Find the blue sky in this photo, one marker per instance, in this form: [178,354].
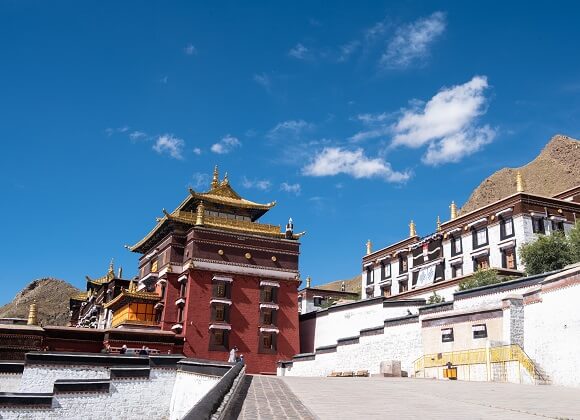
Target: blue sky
[355,117]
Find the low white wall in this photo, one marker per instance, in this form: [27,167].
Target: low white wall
[552,334]
[10,382]
[41,378]
[188,389]
[400,342]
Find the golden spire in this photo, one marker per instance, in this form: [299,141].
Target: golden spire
[438,224]
[519,182]
[111,266]
[32,314]
[412,229]
[132,286]
[453,208]
[200,213]
[215,181]
[308,281]
[226,181]
[369,247]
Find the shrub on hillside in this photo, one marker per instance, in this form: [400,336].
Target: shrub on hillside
[481,278]
[547,253]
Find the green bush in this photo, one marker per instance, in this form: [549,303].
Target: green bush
[574,239]
[548,253]
[435,298]
[481,278]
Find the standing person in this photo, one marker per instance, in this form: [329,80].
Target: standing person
[242,359]
[143,351]
[232,358]
[123,349]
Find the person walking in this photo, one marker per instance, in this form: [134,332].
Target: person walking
[232,358]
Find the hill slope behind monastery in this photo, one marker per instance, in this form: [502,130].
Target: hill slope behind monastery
[52,300]
[555,169]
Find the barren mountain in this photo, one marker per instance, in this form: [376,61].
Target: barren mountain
[351,285]
[52,301]
[556,169]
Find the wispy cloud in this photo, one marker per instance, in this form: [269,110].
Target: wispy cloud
[299,51]
[137,135]
[169,144]
[226,145]
[196,151]
[447,123]
[291,188]
[260,184]
[164,80]
[190,50]
[123,129]
[348,49]
[290,128]
[411,42]
[336,160]
[263,80]
[199,181]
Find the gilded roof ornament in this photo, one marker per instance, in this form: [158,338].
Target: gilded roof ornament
[200,214]
[308,282]
[438,224]
[369,247]
[32,314]
[226,181]
[215,181]
[412,229]
[453,208]
[519,182]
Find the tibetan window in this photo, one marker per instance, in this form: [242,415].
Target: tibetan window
[403,264]
[153,266]
[481,263]
[387,291]
[403,286]
[479,331]
[220,312]
[538,225]
[456,245]
[509,258]
[479,237]
[221,290]
[506,228]
[218,340]
[268,294]
[447,335]
[457,270]
[267,342]
[557,226]
[369,276]
[385,270]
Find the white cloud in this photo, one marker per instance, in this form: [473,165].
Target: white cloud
[169,144]
[336,160]
[199,181]
[136,135]
[447,123]
[348,49]
[291,188]
[411,42]
[197,151]
[375,31]
[190,50]
[299,52]
[290,128]
[262,184]
[263,80]
[226,145]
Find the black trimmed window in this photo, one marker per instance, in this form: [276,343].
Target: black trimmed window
[457,270]
[481,263]
[317,301]
[385,270]
[557,226]
[218,339]
[403,286]
[268,316]
[369,276]
[508,258]
[268,294]
[403,264]
[506,227]
[221,290]
[447,335]
[456,245]
[267,342]
[480,237]
[479,331]
[386,291]
[538,225]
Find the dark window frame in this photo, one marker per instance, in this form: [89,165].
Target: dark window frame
[403,264]
[448,337]
[370,276]
[454,270]
[504,258]
[558,226]
[480,333]
[538,225]
[454,239]
[474,232]
[216,346]
[476,262]
[502,224]
[384,265]
[405,283]
[273,337]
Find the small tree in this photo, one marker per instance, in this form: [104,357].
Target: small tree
[547,253]
[574,239]
[480,278]
[435,298]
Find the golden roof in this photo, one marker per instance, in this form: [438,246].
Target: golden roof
[224,194]
[104,279]
[133,295]
[80,296]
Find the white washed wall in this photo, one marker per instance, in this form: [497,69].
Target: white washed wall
[188,389]
[41,378]
[552,335]
[10,382]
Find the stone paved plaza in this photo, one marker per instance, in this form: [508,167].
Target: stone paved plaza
[401,398]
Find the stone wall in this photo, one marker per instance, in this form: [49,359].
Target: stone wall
[40,378]
[188,389]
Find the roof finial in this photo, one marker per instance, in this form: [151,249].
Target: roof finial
[412,229]
[111,266]
[453,208]
[519,182]
[343,287]
[308,282]
[215,181]
[369,247]
[33,314]
[120,271]
[200,214]
[438,224]
[226,181]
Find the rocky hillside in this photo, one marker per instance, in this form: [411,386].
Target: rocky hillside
[351,285]
[556,169]
[52,300]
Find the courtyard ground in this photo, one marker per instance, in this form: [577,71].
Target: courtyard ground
[403,398]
